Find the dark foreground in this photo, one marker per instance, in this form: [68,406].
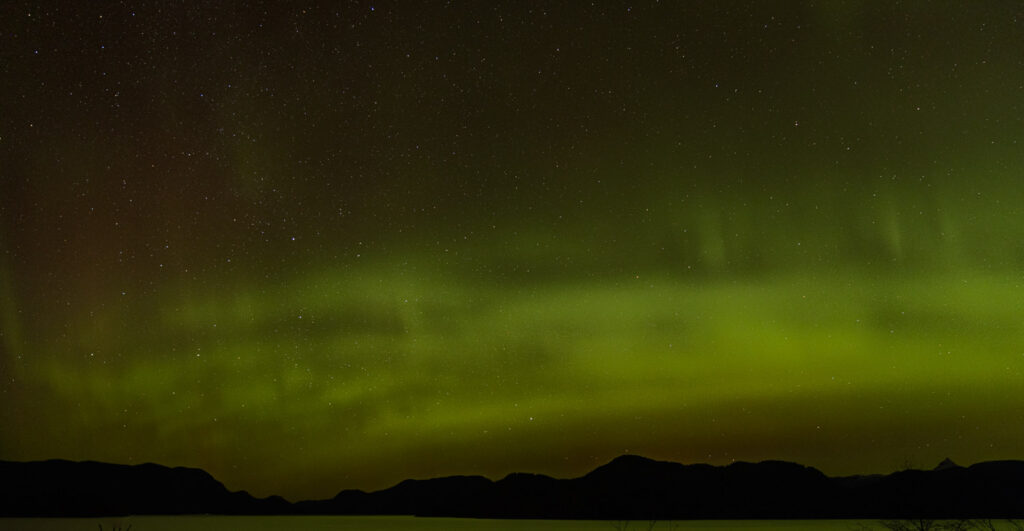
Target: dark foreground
[629,487]
[405,523]
[322,523]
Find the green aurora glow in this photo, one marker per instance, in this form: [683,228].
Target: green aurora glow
[312,250]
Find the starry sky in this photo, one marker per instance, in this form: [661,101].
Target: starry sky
[312,247]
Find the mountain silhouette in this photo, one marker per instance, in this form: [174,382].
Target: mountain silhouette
[946,463]
[89,488]
[628,487]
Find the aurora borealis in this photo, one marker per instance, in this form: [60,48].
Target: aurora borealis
[314,247]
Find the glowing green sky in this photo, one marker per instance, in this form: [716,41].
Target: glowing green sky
[309,249]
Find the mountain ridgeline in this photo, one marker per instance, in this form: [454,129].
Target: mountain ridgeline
[629,487]
[69,488]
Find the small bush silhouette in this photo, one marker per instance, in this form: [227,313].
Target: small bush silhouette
[925,524]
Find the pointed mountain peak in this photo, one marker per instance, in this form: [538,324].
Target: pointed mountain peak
[946,464]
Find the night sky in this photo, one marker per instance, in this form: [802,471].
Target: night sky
[311,247]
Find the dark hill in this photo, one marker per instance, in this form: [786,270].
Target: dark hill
[67,488]
[629,487]
[633,487]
